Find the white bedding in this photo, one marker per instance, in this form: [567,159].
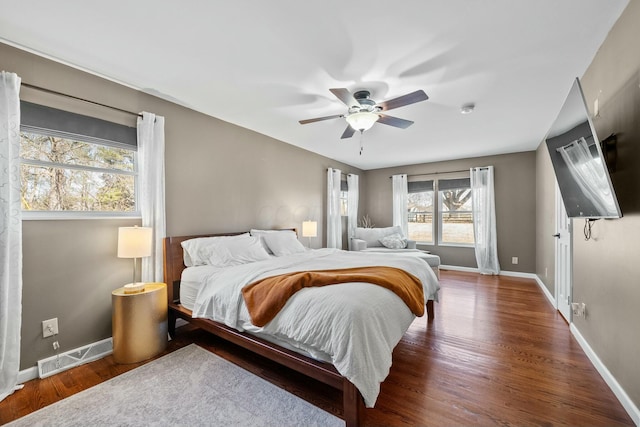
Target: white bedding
[353,325]
[193,278]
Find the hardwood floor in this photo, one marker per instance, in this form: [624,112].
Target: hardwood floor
[497,353]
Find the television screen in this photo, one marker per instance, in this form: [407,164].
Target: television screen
[576,155]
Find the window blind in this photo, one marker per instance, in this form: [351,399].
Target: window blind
[36,117]
[420,186]
[450,184]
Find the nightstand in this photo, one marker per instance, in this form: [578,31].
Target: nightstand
[139,323]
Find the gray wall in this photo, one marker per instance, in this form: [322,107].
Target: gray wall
[545,218]
[515,187]
[606,268]
[219,177]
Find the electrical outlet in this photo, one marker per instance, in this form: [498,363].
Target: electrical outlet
[579,309]
[514,260]
[49,327]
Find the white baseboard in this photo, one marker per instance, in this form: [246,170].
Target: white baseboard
[517,274]
[545,291]
[613,384]
[458,268]
[27,374]
[475,270]
[32,373]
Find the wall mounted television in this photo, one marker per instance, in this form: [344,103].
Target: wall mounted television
[580,167]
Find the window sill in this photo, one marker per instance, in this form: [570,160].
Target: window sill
[48,216]
[456,245]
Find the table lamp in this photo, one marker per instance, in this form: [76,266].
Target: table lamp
[309,229]
[134,242]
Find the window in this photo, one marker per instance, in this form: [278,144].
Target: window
[420,207]
[60,174]
[75,173]
[344,198]
[451,207]
[455,217]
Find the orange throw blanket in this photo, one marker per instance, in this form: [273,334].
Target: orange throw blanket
[266,297]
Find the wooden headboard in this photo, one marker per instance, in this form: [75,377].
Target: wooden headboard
[174,258]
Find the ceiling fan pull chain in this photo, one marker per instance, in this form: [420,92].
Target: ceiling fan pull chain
[361,136]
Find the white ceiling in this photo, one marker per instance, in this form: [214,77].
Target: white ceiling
[264,65]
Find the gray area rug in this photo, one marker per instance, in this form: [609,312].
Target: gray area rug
[189,387]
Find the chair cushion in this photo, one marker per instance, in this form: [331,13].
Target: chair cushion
[431,259]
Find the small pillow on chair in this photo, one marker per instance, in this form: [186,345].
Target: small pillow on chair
[394,241]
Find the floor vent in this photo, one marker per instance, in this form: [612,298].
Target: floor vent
[67,360]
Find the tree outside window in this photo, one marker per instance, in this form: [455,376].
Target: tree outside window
[420,211]
[64,174]
[455,213]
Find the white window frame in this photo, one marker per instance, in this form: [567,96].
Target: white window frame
[440,212]
[65,215]
[433,219]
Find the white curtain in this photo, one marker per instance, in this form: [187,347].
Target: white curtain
[484,220]
[10,233]
[151,194]
[334,220]
[400,201]
[590,176]
[352,205]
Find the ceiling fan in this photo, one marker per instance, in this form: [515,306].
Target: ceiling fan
[363,111]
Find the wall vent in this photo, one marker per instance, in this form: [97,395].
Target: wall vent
[67,360]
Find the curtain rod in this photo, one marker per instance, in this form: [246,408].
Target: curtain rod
[342,173]
[79,99]
[440,173]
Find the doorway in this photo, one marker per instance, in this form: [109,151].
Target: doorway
[564,259]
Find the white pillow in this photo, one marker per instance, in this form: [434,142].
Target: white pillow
[283,243]
[394,241]
[262,233]
[196,251]
[237,251]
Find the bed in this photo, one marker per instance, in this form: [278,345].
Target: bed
[330,362]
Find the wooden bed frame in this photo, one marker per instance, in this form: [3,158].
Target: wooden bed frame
[353,404]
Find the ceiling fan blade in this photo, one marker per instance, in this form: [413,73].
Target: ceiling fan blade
[319,119]
[348,132]
[394,121]
[345,96]
[401,101]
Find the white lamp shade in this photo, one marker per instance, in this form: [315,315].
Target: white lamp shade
[362,121]
[309,229]
[134,242]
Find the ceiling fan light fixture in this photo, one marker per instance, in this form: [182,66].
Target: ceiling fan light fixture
[362,120]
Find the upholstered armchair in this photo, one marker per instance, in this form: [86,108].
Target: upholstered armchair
[380,239]
[391,240]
